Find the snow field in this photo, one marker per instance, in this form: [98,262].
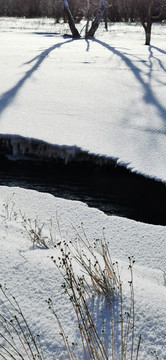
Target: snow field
[110,90]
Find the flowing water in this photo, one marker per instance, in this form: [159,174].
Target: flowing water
[112,189]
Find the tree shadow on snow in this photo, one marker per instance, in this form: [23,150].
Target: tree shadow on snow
[7,98]
[152,57]
[149,96]
[158,49]
[47,34]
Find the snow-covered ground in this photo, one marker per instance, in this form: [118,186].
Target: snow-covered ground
[105,96]
[32,278]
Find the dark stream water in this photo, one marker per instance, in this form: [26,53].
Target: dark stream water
[112,189]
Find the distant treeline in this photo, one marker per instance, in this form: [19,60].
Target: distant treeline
[118,10]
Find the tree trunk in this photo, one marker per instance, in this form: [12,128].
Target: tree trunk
[70,19]
[149,23]
[148,34]
[106,19]
[146,20]
[88,18]
[95,24]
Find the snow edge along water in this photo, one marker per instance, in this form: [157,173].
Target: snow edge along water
[17,147]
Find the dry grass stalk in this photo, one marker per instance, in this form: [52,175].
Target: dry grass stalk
[104,277]
[96,262]
[8,208]
[37,232]
[18,340]
[76,288]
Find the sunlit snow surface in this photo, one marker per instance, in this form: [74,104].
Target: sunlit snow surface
[32,278]
[105,96]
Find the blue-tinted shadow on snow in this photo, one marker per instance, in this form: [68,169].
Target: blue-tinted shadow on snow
[158,49]
[153,57]
[7,98]
[149,96]
[47,34]
[109,324]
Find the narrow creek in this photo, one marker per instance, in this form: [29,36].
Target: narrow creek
[112,189]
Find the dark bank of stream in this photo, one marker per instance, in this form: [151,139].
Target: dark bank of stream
[112,189]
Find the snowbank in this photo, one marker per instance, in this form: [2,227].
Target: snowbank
[31,276]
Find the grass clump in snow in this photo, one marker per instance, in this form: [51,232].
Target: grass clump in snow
[41,236]
[9,208]
[17,339]
[110,335]
[38,234]
[105,282]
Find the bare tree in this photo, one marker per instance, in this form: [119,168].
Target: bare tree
[74,31]
[102,7]
[147,14]
[88,18]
